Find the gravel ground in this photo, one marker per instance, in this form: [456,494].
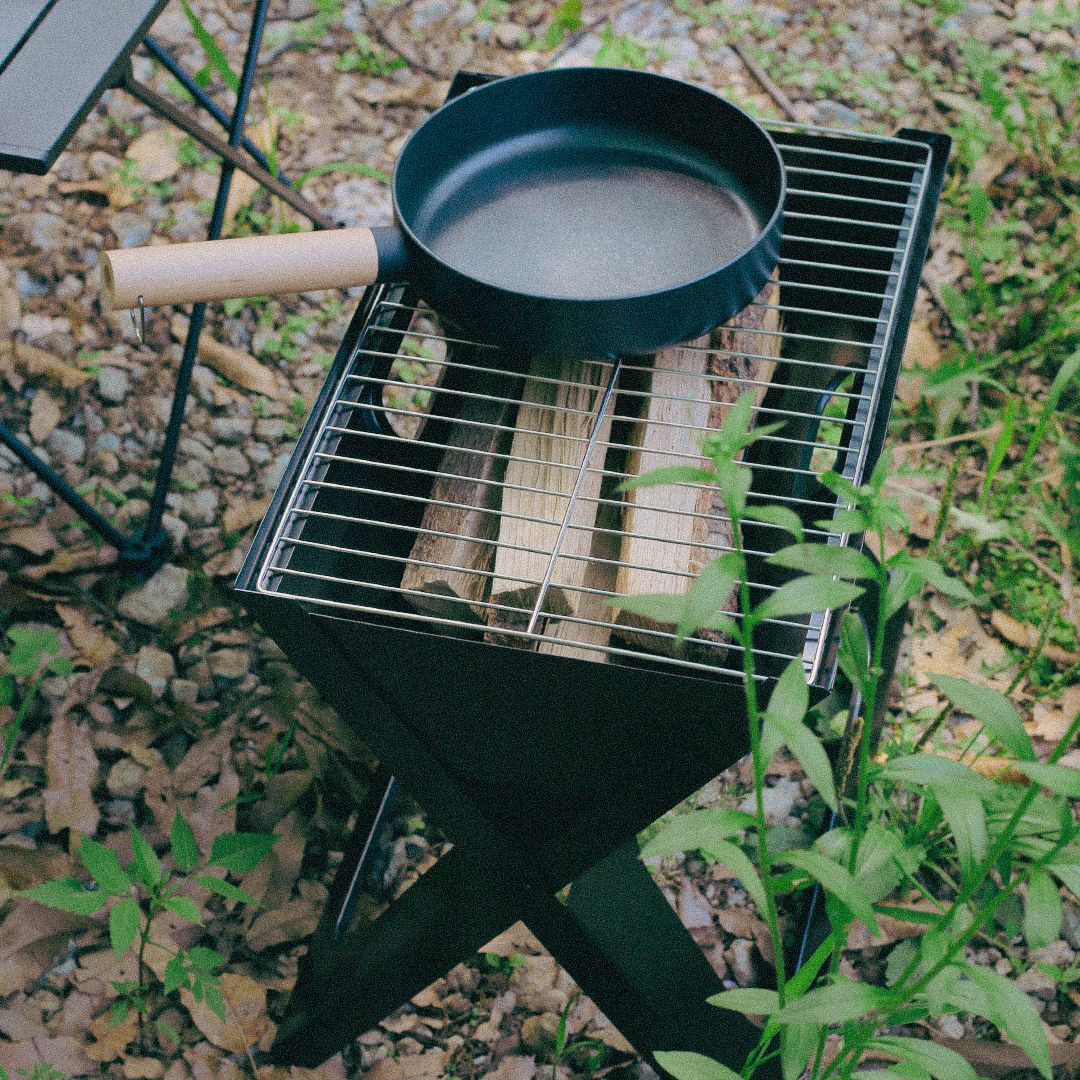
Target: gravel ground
[168,665]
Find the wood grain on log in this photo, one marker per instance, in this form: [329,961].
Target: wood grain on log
[448,573]
[554,424]
[671,531]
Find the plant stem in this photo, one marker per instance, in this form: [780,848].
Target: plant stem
[12,734]
[870,695]
[753,719]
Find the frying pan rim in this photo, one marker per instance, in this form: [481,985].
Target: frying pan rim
[598,72]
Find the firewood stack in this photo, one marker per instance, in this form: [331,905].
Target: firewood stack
[525,472]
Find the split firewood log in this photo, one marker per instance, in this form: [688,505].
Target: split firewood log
[671,531]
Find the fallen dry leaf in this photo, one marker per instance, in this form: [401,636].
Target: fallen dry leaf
[291,922]
[68,560]
[155,154]
[10,305]
[23,869]
[238,516]
[111,1040]
[428,1066]
[1050,719]
[63,1053]
[71,771]
[32,361]
[44,416]
[245,1013]
[97,648]
[206,1063]
[30,937]
[242,190]
[85,187]
[1000,1059]
[37,539]
[1026,636]
[236,365]
[891,930]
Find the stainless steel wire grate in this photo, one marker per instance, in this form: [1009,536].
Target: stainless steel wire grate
[446,489]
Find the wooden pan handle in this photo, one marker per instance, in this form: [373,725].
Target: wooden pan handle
[247,266]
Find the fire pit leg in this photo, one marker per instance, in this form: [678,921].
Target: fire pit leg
[623,912]
[445,917]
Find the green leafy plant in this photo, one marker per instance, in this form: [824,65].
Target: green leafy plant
[620,50]
[592,1050]
[33,655]
[43,1070]
[915,826]
[216,60]
[137,892]
[365,57]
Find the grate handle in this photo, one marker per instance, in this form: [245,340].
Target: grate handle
[210,270]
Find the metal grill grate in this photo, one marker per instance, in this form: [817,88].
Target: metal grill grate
[357,506]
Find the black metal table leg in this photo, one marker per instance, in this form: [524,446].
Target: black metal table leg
[198,313]
[149,546]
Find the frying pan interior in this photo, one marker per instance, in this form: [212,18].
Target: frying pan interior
[587,184]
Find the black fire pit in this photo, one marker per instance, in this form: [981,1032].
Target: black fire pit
[543,764]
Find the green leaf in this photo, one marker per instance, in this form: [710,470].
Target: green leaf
[787,707]
[735,859]
[1060,779]
[826,560]
[930,770]
[806,595]
[210,47]
[669,474]
[659,607]
[791,696]
[686,1065]
[751,1001]
[118,1011]
[966,816]
[175,974]
[205,959]
[241,851]
[183,906]
[853,653]
[226,889]
[708,595]
[146,863]
[902,586]
[797,1045]
[1043,910]
[993,710]
[185,851]
[125,919]
[836,880]
[852,522]
[104,867]
[67,895]
[779,516]
[1011,1010]
[696,831]
[834,1004]
[213,997]
[939,1061]
[945,583]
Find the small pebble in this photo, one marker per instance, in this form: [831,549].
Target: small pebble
[229,460]
[113,385]
[125,779]
[157,598]
[67,445]
[156,667]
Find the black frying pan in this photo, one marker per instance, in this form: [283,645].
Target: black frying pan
[571,212]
